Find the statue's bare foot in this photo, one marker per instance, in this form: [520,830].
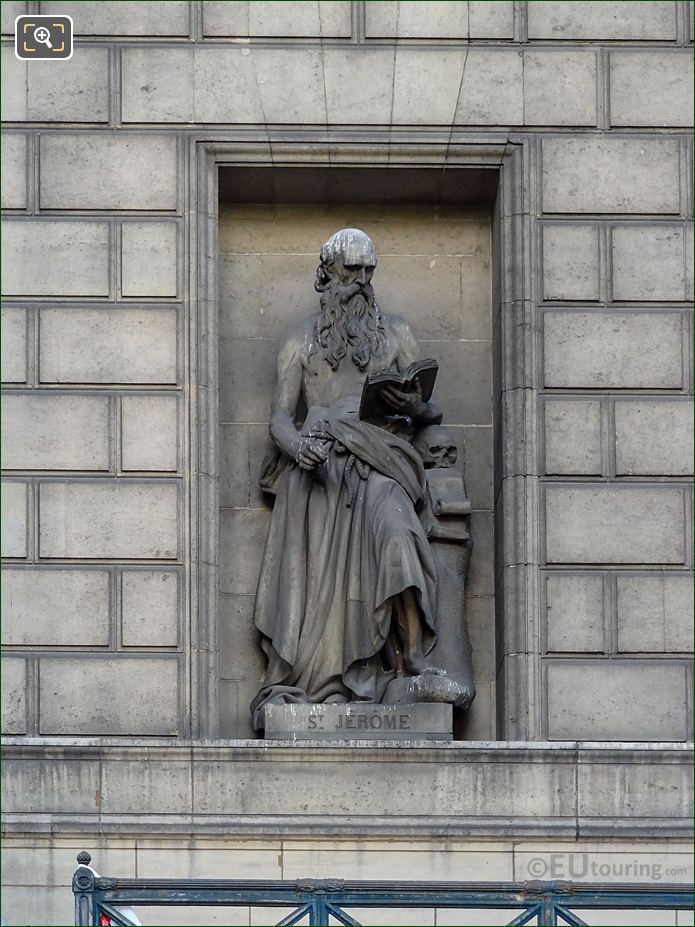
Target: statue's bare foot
[415,666]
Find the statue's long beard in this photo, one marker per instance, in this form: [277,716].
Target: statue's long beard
[349,324]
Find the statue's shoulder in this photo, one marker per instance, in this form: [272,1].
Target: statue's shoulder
[397,327]
[298,335]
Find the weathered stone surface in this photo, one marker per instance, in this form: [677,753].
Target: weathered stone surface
[109,520]
[246,361]
[560,88]
[638,700]
[149,608]
[14,519]
[114,695]
[665,81]
[10,10]
[491,88]
[149,258]
[464,383]
[572,436]
[45,432]
[33,95]
[13,341]
[14,702]
[574,610]
[108,345]
[149,433]
[13,85]
[648,263]
[655,613]
[14,171]
[58,852]
[303,97]
[157,85]
[55,258]
[496,790]
[607,175]
[654,437]
[242,537]
[443,20]
[82,98]
[602,524]
[330,19]
[55,608]
[370,77]
[607,349]
[358,722]
[570,262]
[598,20]
[108,172]
[426,85]
[124,18]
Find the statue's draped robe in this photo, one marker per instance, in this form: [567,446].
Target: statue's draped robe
[342,543]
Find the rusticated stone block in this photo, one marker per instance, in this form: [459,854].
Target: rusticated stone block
[31,94]
[13,343]
[149,433]
[439,20]
[572,436]
[107,171]
[654,437]
[574,609]
[45,608]
[603,524]
[559,87]
[600,20]
[655,613]
[330,19]
[108,345]
[665,81]
[14,171]
[115,695]
[124,17]
[43,257]
[48,432]
[603,350]
[570,262]
[616,700]
[149,608]
[111,521]
[648,263]
[14,519]
[610,175]
[149,258]
[14,699]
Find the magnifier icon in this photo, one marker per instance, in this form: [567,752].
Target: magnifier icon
[41,34]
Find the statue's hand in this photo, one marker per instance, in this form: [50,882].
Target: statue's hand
[406,402]
[312,453]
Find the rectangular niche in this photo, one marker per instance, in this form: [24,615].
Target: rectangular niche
[432,232]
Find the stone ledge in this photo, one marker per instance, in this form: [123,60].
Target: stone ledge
[565,789]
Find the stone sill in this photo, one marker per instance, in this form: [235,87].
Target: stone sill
[372,788]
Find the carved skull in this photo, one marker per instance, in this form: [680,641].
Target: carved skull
[436,445]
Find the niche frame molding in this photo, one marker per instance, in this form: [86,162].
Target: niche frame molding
[516,356]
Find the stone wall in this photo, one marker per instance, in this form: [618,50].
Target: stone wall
[109,441]
[99,424]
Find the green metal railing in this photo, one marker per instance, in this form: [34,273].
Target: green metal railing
[324,901]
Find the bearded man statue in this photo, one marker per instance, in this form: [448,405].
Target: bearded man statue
[346,597]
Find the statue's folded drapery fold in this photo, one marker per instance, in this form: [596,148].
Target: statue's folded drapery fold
[340,547]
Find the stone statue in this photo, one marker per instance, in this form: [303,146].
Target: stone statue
[347,593]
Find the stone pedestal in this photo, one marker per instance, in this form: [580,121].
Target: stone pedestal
[358,721]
